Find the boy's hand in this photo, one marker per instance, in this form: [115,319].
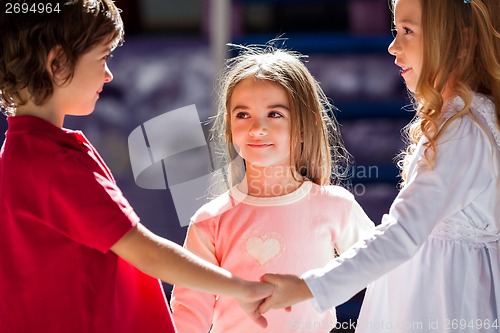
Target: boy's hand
[255,294]
[288,290]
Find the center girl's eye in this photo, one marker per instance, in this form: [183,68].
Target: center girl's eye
[274,114]
[242,115]
[394,32]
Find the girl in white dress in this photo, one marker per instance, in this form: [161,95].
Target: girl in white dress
[434,262]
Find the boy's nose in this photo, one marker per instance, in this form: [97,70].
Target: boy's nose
[108,76]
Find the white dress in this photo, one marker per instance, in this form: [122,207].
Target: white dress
[434,262]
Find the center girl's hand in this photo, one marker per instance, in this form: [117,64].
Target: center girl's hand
[288,290]
[253,296]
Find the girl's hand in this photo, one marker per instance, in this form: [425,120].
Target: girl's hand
[288,290]
[252,297]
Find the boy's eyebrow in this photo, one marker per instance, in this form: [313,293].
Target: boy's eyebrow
[105,49]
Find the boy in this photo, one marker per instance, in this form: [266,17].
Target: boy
[74,257]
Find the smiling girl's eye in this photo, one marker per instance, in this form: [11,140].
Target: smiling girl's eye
[406,30]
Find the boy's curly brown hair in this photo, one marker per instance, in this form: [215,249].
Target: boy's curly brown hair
[27,39]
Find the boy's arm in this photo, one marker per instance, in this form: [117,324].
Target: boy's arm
[168,261]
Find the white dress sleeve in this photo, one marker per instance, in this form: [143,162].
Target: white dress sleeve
[461,172]
[192,310]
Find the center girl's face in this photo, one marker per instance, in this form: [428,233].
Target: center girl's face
[260,122]
[407,46]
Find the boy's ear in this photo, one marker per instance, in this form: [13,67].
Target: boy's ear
[56,62]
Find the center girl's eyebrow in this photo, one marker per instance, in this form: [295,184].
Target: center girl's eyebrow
[279,106]
[270,107]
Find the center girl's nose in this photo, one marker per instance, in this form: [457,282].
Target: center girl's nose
[258,128]
[108,76]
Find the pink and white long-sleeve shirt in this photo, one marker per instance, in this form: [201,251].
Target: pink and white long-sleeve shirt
[250,236]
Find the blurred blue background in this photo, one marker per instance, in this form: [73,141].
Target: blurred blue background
[175,48]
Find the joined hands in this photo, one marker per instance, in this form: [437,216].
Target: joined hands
[276,292]
[288,290]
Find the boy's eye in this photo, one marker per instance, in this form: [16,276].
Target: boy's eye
[394,32]
[274,114]
[407,31]
[107,56]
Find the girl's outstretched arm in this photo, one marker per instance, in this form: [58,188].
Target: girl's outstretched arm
[171,263]
[288,290]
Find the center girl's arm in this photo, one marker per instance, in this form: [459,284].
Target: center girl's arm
[358,226]
[169,262]
[193,311]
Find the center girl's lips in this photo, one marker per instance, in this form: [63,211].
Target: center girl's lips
[259,145]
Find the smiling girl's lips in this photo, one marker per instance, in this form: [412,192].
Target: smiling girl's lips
[404,70]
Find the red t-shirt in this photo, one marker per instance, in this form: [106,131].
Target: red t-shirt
[60,213]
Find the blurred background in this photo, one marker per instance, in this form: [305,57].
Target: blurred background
[174,49]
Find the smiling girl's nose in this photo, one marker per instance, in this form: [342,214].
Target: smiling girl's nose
[393,48]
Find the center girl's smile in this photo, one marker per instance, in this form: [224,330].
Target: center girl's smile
[259,145]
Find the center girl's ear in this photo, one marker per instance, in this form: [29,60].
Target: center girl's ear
[57,64]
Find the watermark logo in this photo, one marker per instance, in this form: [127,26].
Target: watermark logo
[170,151]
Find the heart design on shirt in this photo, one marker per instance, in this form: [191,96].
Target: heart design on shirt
[263,248]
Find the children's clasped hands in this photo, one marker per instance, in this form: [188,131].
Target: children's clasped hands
[288,290]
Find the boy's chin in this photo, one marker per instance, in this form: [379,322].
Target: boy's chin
[80,113]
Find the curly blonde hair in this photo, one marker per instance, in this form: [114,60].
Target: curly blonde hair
[461,41]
